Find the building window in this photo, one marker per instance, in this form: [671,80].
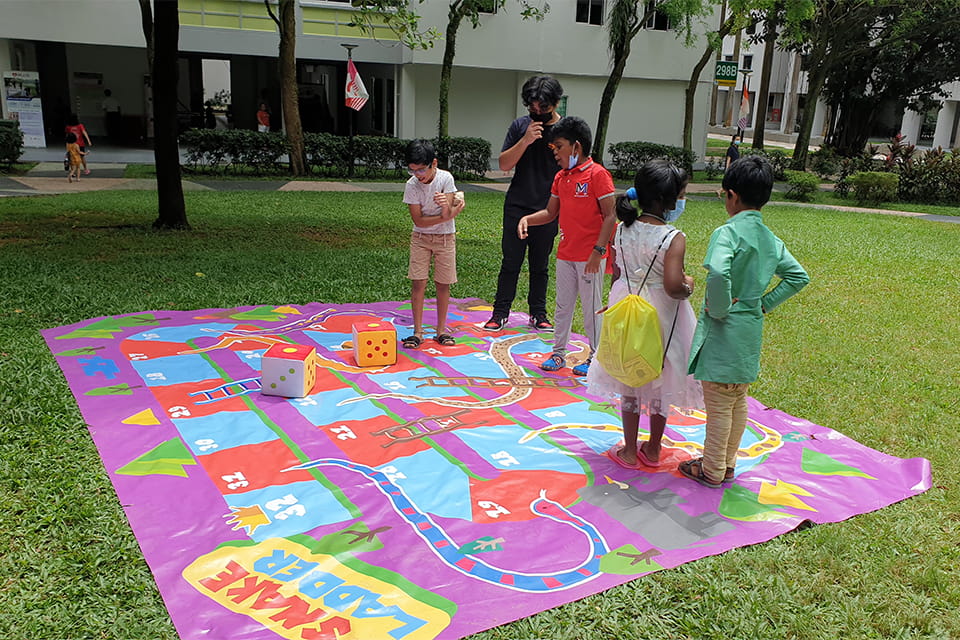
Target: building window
[658,21]
[747,62]
[590,11]
[487,6]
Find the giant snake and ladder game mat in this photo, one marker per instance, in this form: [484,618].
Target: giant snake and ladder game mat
[456,490]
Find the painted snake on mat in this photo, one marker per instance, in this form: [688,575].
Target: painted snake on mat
[500,350]
[441,544]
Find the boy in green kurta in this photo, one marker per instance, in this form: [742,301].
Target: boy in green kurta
[742,258]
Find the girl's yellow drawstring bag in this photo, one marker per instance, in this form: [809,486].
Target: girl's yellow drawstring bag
[631,349]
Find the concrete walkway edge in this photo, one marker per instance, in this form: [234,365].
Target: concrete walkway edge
[48,178]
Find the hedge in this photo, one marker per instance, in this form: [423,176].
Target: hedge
[240,150]
[874,187]
[929,177]
[11,141]
[626,157]
[802,185]
[778,160]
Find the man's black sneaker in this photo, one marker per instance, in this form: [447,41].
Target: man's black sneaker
[540,322]
[495,323]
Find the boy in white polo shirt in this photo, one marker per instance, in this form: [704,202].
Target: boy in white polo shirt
[434,203]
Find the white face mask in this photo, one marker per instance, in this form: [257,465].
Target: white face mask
[674,213]
[574,157]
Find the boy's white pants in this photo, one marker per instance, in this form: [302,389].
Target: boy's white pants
[573,283]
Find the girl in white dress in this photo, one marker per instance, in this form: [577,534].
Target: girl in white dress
[643,239]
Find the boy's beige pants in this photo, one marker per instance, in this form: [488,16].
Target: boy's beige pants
[726,406]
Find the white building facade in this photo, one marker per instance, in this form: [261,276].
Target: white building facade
[946,131]
[81,47]
[786,99]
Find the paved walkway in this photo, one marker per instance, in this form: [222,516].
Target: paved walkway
[48,178]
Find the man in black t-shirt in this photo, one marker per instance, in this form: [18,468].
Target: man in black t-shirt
[733,153]
[525,151]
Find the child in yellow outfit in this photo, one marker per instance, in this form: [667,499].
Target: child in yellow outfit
[75,157]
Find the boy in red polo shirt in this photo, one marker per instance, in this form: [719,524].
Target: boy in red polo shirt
[583,197]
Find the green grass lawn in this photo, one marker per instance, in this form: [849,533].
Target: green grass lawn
[16,169]
[828,197]
[871,348]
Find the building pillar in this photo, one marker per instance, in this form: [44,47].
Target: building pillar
[406,89]
[5,65]
[818,120]
[941,135]
[956,133]
[788,118]
[910,126]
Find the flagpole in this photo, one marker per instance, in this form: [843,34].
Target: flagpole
[741,131]
[351,114]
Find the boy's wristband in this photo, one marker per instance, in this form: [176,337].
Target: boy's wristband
[600,250]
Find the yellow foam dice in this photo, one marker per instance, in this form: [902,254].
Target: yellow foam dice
[288,370]
[374,343]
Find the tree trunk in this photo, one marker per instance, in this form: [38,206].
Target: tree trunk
[289,94]
[817,75]
[715,89]
[446,69]
[172,212]
[691,90]
[146,23]
[606,103]
[852,127]
[763,94]
[690,93]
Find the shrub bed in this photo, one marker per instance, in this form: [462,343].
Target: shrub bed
[11,141]
[241,151]
[802,185]
[874,187]
[626,157]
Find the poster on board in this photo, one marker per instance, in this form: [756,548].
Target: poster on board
[21,89]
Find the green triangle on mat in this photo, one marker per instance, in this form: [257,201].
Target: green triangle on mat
[167,458]
[739,503]
[108,326]
[820,464]
[268,314]
[628,560]
[122,389]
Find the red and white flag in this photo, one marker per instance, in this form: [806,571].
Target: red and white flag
[744,120]
[357,95]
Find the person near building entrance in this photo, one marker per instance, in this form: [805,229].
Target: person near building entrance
[83,139]
[525,151]
[112,116]
[263,118]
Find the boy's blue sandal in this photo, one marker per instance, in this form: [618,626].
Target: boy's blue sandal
[553,363]
[693,469]
[582,368]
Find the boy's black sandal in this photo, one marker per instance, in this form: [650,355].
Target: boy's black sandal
[412,342]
